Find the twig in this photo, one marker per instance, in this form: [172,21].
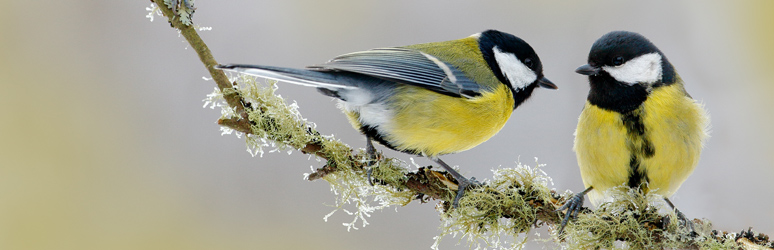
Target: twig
[539,203]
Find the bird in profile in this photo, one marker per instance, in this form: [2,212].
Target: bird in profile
[639,127]
[426,99]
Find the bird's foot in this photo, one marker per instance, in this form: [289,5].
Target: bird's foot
[573,206]
[463,184]
[369,171]
[684,221]
[371,151]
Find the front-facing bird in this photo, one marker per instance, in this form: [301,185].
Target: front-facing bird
[639,126]
[426,99]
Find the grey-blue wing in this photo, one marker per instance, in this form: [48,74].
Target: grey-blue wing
[406,66]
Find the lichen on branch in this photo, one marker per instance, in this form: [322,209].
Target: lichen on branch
[511,204]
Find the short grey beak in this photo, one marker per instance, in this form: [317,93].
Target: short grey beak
[545,83]
[587,70]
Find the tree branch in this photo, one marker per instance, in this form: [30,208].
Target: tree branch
[520,195]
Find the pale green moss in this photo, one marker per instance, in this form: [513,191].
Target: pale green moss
[619,220]
[389,172]
[490,215]
[278,127]
[496,215]
[631,221]
[353,189]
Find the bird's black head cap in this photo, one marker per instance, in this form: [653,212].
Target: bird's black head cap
[618,47]
[623,93]
[510,44]
[506,43]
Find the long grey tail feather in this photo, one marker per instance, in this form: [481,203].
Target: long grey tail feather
[302,77]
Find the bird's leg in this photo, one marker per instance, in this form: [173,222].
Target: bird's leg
[573,206]
[681,217]
[371,151]
[462,182]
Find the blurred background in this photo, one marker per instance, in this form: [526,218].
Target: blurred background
[104,143]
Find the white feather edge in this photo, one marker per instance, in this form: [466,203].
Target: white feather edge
[268,74]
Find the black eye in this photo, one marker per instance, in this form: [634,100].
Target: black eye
[618,60]
[528,62]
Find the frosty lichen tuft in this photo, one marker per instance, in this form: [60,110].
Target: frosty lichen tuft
[356,197]
[273,123]
[508,206]
[631,221]
[502,209]
[278,127]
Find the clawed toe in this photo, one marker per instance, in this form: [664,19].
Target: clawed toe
[684,221]
[573,206]
[463,185]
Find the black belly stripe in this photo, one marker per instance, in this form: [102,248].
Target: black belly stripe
[637,176]
[639,147]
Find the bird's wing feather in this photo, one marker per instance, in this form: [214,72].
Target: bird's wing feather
[406,66]
[302,77]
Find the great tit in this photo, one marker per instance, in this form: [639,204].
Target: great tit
[426,99]
[639,126]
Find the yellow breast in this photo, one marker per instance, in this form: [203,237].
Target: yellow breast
[426,122]
[674,124]
[678,128]
[600,147]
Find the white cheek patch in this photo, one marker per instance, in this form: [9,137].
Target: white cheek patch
[517,73]
[642,69]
